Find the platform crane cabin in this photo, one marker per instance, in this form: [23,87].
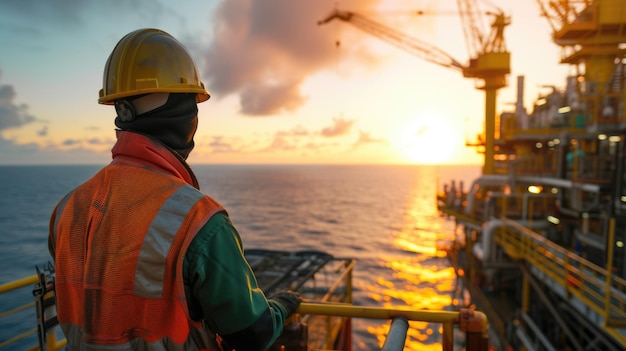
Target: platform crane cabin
[489,61]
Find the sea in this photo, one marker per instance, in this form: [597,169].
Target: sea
[383,216]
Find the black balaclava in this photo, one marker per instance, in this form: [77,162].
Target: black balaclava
[174,124]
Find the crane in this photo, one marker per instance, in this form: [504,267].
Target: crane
[489,60]
[592,34]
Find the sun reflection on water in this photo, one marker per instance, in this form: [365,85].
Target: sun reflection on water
[422,278]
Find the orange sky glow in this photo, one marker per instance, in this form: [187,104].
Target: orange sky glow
[284,90]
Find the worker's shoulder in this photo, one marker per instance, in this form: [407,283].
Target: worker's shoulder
[200,196]
[218,222]
[217,228]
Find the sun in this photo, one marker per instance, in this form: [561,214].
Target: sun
[428,140]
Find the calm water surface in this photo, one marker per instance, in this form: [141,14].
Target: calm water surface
[383,216]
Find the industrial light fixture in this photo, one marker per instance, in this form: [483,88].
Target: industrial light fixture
[553,220]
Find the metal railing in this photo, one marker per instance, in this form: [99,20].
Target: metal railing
[473,323]
[23,283]
[595,286]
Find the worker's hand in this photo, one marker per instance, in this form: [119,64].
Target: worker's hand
[288,299]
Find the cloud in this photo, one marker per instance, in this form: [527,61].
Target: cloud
[43,131]
[322,147]
[100,142]
[69,151]
[22,154]
[295,141]
[12,115]
[297,131]
[219,146]
[282,143]
[297,138]
[340,127]
[366,138]
[264,50]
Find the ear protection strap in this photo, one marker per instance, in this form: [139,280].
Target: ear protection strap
[125,110]
[128,109]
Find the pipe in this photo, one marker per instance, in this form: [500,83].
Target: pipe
[520,110]
[485,250]
[397,335]
[488,180]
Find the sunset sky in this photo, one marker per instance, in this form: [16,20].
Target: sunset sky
[284,90]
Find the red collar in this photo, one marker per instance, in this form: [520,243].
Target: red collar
[142,150]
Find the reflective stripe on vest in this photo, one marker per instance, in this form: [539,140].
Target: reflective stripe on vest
[193,341]
[150,272]
[59,212]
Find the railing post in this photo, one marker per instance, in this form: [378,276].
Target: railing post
[397,335]
[447,342]
[609,269]
[525,294]
[474,324]
[51,340]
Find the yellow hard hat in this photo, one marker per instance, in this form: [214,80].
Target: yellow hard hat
[149,61]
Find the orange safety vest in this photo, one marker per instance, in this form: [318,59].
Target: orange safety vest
[119,242]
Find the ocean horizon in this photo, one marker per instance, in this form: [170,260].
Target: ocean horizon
[383,216]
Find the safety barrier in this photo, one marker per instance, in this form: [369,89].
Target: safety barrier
[595,286]
[23,283]
[473,323]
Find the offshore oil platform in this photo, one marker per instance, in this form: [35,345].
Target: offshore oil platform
[541,233]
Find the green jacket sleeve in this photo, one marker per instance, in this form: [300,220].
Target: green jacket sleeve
[222,289]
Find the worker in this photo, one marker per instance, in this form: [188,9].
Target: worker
[143,259]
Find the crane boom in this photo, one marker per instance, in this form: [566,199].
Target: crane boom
[490,64]
[420,48]
[473,34]
[561,12]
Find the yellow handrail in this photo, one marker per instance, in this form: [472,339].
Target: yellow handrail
[474,323]
[29,281]
[581,278]
[20,283]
